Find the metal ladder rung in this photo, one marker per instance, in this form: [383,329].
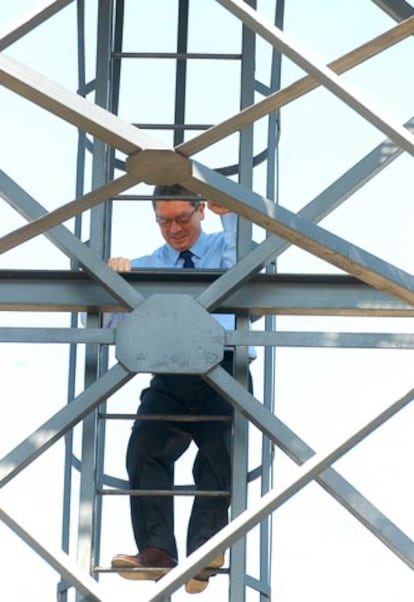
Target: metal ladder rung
[227,56]
[173,126]
[207,571]
[168,417]
[184,490]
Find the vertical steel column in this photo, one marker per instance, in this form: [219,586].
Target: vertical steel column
[269,367]
[62,587]
[241,424]
[111,73]
[95,358]
[181,71]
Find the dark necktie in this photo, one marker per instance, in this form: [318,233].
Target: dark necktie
[188,258]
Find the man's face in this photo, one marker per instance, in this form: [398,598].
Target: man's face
[179,222]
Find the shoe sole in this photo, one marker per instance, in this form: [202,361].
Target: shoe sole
[138,572]
[196,586]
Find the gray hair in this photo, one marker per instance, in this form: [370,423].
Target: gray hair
[177,192]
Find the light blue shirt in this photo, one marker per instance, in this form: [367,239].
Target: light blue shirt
[210,251]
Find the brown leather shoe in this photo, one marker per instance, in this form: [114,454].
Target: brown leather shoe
[152,563]
[199,583]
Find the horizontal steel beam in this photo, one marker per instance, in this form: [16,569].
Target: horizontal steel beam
[61,237]
[322,295]
[234,338]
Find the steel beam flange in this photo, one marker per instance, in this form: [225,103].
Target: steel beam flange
[159,166]
[169,334]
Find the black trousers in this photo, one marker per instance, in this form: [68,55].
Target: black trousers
[154,447]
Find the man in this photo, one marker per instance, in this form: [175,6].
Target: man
[155,445]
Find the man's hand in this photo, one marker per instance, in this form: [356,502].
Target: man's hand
[216,208]
[120,264]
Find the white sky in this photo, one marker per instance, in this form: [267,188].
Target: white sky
[320,551]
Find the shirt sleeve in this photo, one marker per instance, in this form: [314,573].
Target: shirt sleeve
[229,222]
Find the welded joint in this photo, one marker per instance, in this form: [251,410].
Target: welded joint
[169,334]
[159,166]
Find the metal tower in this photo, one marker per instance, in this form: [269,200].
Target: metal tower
[188,91]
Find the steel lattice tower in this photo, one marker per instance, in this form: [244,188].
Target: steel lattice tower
[157,98]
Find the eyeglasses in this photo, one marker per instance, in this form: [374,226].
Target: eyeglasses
[181,220]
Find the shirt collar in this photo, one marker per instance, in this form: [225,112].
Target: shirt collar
[197,248]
